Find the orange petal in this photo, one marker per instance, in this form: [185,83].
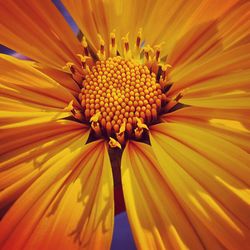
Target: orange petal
[103,17]
[208,28]
[82,13]
[41,25]
[20,81]
[29,96]
[27,152]
[234,26]
[62,78]
[70,206]
[211,69]
[156,218]
[182,17]
[211,11]
[229,83]
[199,168]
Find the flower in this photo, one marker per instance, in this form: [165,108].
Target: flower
[185,162]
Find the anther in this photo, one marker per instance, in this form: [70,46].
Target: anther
[84,63]
[101,52]
[76,74]
[96,127]
[76,113]
[140,124]
[140,128]
[158,51]
[95,117]
[179,96]
[127,52]
[121,135]
[69,107]
[85,46]
[138,39]
[147,51]
[164,68]
[114,144]
[69,68]
[126,42]
[112,47]
[157,54]
[95,124]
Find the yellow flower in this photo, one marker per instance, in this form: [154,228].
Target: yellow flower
[163,83]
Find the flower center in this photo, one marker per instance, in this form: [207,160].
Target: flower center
[120,91]
[121,95]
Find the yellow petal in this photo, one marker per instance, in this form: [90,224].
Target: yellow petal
[156,218]
[232,125]
[226,84]
[38,31]
[199,169]
[208,144]
[236,100]
[70,206]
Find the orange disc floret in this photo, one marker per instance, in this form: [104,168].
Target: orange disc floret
[120,90]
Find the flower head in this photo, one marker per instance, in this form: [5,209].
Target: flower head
[151,95]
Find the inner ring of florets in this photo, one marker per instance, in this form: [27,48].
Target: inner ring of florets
[119,92]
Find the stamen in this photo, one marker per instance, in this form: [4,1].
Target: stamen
[101,52]
[141,125]
[95,124]
[77,74]
[171,104]
[121,135]
[126,49]
[179,96]
[114,144]
[164,68]
[140,128]
[95,117]
[173,101]
[69,68]
[85,46]
[96,127]
[70,106]
[157,52]
[85,66]
[138,39]
[112,47]
[148,50]
[76,113]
